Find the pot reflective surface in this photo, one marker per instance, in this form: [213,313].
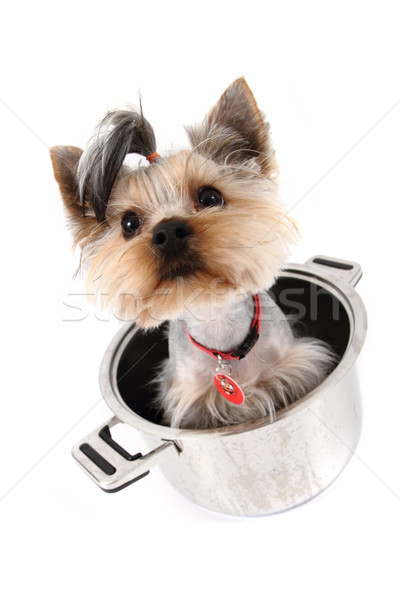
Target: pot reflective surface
[256,467]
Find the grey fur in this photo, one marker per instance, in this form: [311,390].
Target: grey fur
[269,384]
[120,132]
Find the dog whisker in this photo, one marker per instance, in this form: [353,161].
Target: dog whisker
[249,246]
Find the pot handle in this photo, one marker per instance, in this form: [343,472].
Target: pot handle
[347,270]
[110,465]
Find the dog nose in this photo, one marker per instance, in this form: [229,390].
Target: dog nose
[171,236]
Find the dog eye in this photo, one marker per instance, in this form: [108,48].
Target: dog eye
[208,197]
[130,224]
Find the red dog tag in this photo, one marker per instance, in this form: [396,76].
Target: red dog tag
[229,388]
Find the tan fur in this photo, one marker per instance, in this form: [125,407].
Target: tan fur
[245,244]
[65,160]
[235,127]
[234,250]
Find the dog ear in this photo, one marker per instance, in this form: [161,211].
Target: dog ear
[65,161]
[235,130]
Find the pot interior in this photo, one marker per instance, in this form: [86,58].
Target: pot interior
[313,310]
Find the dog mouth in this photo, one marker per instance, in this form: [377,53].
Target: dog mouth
[184,267]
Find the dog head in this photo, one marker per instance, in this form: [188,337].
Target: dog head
[198,226]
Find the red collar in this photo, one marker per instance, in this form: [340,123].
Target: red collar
[245,346]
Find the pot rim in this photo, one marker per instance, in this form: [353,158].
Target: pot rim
[338,283]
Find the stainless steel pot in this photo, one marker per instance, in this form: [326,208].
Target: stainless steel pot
[257,467]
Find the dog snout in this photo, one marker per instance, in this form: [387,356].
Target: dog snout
[170,237]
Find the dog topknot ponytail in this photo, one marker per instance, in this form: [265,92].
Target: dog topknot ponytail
[120,132]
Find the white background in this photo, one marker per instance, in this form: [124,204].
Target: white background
[327,76]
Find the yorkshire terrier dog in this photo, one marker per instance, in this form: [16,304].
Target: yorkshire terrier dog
[195,237]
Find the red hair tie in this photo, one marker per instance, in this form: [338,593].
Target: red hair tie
[152,157]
